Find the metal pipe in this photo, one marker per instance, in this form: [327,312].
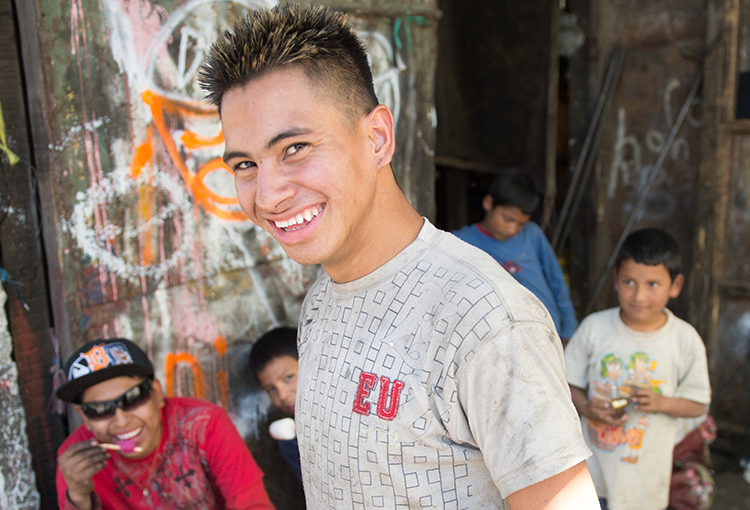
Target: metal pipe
[646,187]
[578,191]
[614,70]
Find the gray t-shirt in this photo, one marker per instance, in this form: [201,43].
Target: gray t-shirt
[436,381]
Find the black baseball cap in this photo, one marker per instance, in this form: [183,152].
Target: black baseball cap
[100,360]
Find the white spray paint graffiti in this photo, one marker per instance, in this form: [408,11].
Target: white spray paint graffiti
[111,191]
[172,79]
[384,70]
[627,161]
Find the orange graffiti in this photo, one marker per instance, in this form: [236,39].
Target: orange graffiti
[199,383]
[223,386]
[202,194]
[141,158]
[220,344]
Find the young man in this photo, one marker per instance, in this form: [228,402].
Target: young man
[273,364]
[634,370]
[520,246]
[428,377]
[173,452]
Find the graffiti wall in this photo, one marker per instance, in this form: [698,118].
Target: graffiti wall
[664,43]
[151,243]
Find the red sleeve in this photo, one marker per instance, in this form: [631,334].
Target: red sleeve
[237,476]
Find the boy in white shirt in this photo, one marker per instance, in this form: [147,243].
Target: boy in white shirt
[633,370]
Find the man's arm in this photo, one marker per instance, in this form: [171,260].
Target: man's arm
[572,489]
[649,401]
[76,467]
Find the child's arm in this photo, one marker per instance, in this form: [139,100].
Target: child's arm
[556,281]
[649,401]
[599,410]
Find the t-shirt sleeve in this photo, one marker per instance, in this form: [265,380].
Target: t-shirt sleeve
[237,476]
[577,357]
[693,381]
[518,407]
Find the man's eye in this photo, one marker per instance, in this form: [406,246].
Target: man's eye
[653,285]
[243,165]
[294,149]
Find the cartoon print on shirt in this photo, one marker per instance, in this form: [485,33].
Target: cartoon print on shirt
[611,370]
[640,370]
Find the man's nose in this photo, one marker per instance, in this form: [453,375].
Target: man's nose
[120,417]
[273,187]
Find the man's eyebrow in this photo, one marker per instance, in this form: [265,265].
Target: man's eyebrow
[290,133]
[234,154]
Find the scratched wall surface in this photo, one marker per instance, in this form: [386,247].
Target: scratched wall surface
[664,41]
[17,480]
[151,242]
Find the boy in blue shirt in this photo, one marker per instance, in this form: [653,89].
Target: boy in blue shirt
[520,246]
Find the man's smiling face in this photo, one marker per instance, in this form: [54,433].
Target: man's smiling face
[304,171]
[142,424]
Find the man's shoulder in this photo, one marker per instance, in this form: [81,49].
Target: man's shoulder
[179,409]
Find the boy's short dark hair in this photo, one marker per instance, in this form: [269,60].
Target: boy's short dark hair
[651,246]
[274,344]
[317,39]
[515,187]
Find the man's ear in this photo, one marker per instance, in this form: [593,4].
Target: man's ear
[157,393]
[83,417]
[382,134]
[676,287]
[487,203]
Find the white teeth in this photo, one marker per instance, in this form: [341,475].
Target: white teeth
[306,215]
[129,435]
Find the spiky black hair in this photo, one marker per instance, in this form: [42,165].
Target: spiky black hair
[318,39]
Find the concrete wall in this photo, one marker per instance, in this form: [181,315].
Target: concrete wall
[17,479]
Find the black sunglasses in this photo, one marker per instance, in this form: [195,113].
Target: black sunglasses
[132,398]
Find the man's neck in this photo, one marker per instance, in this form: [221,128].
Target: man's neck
[392,225]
